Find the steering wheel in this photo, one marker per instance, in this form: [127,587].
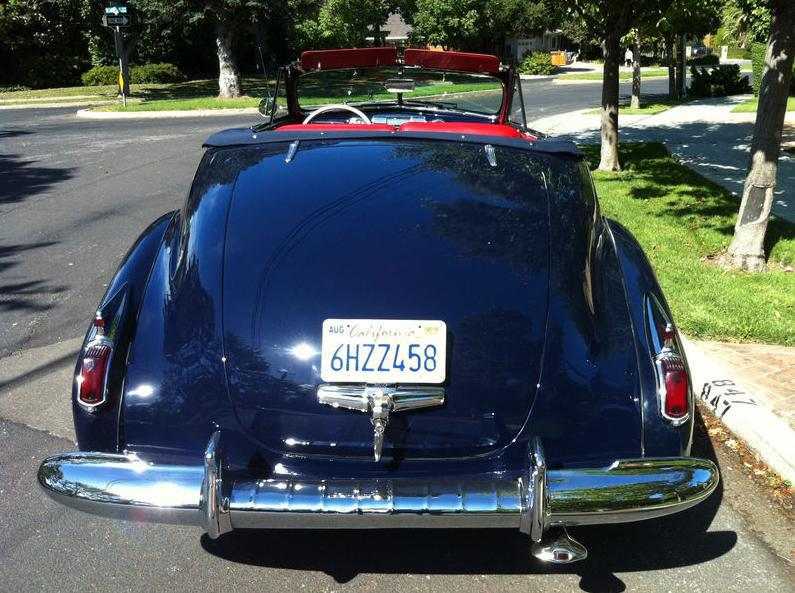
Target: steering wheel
[337,107]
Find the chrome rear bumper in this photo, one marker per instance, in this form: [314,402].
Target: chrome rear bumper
[124,486]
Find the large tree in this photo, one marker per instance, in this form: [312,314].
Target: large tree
[480,25]
[609,21]
[677,21]
[228,17]
[747,247]
[347,23]
[41,42]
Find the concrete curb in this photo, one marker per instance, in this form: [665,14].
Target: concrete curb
[106,115]
[54,105]
[540,77]
[744,414]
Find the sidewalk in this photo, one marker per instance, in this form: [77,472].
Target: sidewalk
[767,370]
[750,388]
[703,134]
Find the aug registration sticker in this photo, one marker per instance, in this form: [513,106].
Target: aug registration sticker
[383,351]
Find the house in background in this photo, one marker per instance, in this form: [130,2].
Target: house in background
[517,47]
[394,32]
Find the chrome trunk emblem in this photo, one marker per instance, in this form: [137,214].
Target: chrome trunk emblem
[380,402]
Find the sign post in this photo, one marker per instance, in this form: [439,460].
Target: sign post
[117,17]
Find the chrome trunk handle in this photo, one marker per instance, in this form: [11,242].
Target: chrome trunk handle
[380,401]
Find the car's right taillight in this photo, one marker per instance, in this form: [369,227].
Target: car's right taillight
[673,383]
[673,387]
[92,374]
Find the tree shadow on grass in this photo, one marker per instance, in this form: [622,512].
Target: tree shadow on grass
[688,195]
[254,87]
[670,542]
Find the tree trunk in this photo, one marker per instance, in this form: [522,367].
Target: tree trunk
[609,151]
[228,76]
[681,66]
[747,247]
[635,102]
[669,53]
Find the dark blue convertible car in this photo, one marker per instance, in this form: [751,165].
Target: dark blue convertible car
[389,305]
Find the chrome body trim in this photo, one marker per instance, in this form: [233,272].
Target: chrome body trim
[125,486]
[534,494]
[214,506]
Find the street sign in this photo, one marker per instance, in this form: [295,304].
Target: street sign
[111,20]
[117,16]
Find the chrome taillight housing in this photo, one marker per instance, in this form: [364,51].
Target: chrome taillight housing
[92,372]
[673,383]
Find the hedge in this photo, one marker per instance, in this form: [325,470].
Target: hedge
[718,81]
[151,73]
[537,62]
[705,60]
[758,63]
[738,53]
[146,73]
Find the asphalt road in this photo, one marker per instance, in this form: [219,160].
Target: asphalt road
[74,194]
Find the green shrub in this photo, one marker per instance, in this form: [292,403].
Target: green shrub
[153,73]
[537,62]
[100,75]
[652,61]
[145,74]
[717,81]
[705,60]
[757,64]
[738,53]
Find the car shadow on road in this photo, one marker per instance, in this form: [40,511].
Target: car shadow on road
[676,541]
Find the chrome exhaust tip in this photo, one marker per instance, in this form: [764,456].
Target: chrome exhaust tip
[558,547]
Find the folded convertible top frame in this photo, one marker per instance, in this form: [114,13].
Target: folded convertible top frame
[373,57]
[125,486]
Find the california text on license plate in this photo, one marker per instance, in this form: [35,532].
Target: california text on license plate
[383,351]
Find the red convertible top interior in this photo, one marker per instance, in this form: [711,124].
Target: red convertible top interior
[366,57]
[452,60]
[468,128]
[372,57]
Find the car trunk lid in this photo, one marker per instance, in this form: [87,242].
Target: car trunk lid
[386,230]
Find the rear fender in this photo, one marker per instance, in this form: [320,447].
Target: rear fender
[97,428]
[660,437]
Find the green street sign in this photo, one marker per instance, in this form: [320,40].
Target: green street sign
[117,15]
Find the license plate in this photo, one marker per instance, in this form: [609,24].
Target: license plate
[383,351]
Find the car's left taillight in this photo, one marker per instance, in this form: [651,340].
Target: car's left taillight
[92,372]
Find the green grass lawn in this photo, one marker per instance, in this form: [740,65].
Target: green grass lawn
[749,106]
[683,220]
[202,94]
[151,103]
[623,76]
